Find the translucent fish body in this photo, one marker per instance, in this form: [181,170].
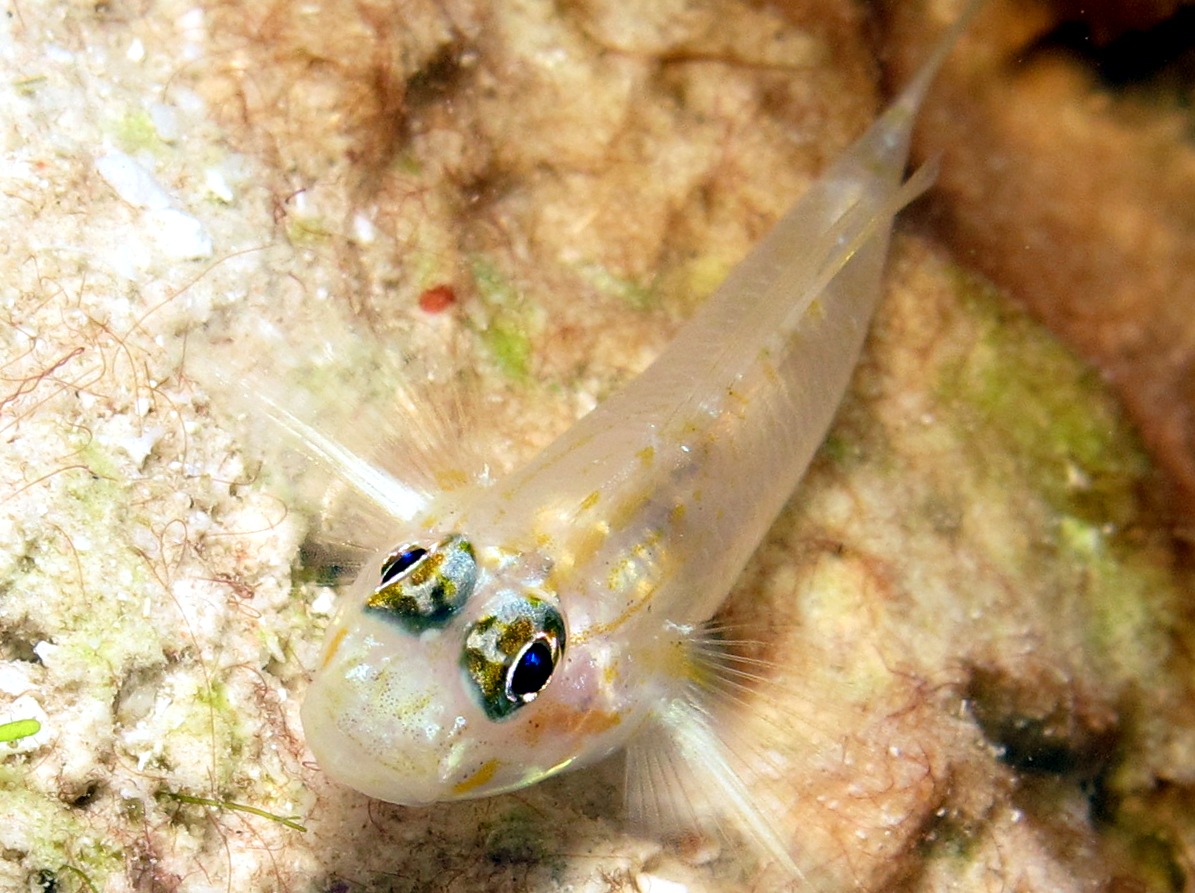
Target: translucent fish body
[543,622]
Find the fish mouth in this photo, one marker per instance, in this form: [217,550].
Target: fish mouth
[384,725]
[393,757]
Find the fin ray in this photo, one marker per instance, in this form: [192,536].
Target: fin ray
[697,784]
[366,453]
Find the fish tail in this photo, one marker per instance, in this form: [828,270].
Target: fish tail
[885,145]
[913,93]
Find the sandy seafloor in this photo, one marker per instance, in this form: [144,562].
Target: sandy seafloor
[981,639]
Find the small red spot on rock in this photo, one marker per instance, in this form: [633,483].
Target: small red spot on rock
[437,299]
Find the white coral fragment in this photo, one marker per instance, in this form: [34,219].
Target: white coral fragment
[131,182]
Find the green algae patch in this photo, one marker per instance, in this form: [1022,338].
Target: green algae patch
[305,232]
[1037,423]
[409,163]
[45,835]
[18,729]
[1050,477]
[507,333]
[838,449]
[1031,554]
[683,288]
[1143,830]
[27,87]
[1031,399]
[510,346]
[220,725]
[638,297]
[291,822]
[493,286]
[101,464]
[136,132]
[1129,599]
[52,880]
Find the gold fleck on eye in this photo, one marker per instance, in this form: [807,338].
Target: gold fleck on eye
[512,653]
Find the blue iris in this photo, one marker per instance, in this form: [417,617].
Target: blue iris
[400,561]
[533,670]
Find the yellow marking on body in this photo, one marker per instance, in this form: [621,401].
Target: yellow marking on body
[452,479]
[587,544]
[562,719]
[647,455]
[478,778]
[334,646]
[605,629]
[631,569]
[630,510]
[737,403]
[634,606]
[590,501]
[768,368]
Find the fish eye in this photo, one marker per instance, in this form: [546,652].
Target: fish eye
[422,587]
[401,559]
[512,652]
[531,671]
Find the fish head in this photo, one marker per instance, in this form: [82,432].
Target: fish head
[449,674]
